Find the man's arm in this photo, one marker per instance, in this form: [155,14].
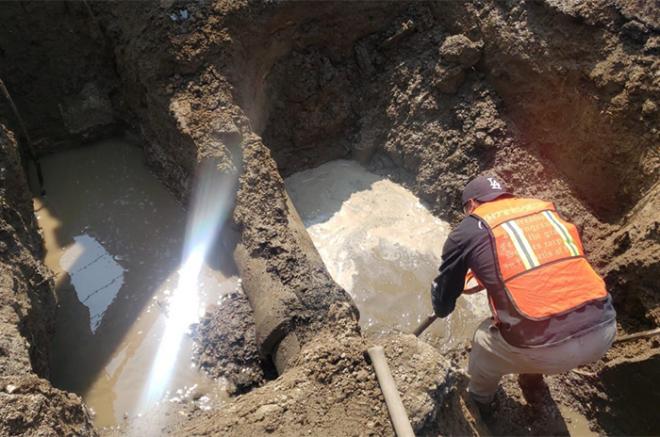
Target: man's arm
[448,286]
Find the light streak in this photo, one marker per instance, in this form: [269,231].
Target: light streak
[213,199]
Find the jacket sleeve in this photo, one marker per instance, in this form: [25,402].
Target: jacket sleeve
[448,286]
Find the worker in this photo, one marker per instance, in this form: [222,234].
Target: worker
[550,309]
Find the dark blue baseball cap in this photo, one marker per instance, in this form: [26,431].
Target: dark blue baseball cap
[484,189]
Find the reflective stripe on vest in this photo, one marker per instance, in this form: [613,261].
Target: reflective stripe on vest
[540,258]
[563,231]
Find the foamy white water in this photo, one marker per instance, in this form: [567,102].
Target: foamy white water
[382,245]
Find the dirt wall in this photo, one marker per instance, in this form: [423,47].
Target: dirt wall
[56,64]
[558,101]
[29,405]
[439,92]
[191,112]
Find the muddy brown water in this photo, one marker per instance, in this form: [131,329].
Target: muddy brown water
[113,237]
[383,246]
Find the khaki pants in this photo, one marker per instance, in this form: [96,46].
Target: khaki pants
[492,357]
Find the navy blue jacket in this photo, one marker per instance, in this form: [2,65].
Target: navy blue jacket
[469,246]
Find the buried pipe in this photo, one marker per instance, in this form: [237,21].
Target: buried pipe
[395,407]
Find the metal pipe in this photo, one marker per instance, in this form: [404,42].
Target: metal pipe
[5,93]
[398,413]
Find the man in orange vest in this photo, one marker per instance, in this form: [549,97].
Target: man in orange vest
[551,311]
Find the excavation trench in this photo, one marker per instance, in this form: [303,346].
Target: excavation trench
[114,238]
[276,92]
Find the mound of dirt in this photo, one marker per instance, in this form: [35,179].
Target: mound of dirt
[226,347]
[332,390]
[32,407]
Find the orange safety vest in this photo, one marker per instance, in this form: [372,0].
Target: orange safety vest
[540,258]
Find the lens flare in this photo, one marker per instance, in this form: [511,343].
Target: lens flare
[212,202]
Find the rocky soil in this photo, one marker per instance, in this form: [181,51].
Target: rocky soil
[226,345]
[558,98]
[332,390]
[59,71]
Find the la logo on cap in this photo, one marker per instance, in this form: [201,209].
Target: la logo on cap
[494,184]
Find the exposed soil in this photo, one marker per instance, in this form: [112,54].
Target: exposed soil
[227,347]
[558,99]
[332,390]
[60,72]
[29,404]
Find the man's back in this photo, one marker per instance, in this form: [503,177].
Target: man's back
[471,245]
[551,311]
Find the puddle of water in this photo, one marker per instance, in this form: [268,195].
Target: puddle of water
[114,237]
[577,424]
[382,245]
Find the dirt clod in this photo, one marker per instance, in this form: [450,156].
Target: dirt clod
[459,49]
[226,346]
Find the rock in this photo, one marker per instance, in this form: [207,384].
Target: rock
[484,140]
[461,50]
[224,129]
[635,30]
[37,408]
[362,375]
[448,79]
[649,107]
[267,410]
